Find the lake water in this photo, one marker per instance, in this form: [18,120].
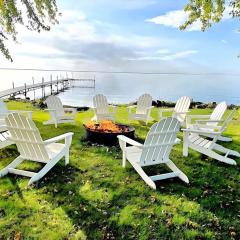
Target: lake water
[125,88]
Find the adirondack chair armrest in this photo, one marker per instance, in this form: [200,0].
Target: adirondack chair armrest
[129,141]
[3,128]
[149,108]
[59,138]
[196,117]
[200,131]
[209,121]
[197,126]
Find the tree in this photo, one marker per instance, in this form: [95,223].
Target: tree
[35,15]
[209,11]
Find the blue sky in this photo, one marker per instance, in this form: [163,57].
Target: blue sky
[133,35]
[128,35]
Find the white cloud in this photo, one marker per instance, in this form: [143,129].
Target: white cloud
[224,41]
[112,5]
[177,55]
[77,38]
[163,51]
[165,56]
[176,18]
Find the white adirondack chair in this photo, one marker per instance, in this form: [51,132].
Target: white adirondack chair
[207,121]
[101,109]
[4,134]
[58,112]
[32,148]
[179,111]
[198,140]
[143,109]
[155,150]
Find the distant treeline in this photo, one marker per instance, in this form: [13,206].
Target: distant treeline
[194,104]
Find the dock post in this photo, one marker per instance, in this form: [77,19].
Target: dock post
[43,88]
[51,86]
[34,95]
[57,84]
[25,90]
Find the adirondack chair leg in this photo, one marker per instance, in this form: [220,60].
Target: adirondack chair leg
[221,158]
[185,144]
[214,155]
[143,175]
[46,168]
[13,164]
[226,150]
[123,159]
[67,157]
[68,142]
[123,147]
[179,173]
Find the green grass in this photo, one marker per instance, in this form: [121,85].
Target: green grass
[95,198]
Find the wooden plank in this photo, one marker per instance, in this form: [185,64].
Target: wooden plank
[21,172]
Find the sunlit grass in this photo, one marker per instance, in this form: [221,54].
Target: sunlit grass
[95,198]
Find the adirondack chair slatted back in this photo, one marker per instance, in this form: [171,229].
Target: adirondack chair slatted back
[228,119]
[159,141]
[54,102]
[100,103]
[144,102]
[27,137]
[218,113]
[182,105]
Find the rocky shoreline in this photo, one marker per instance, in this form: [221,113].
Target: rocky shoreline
[156,103]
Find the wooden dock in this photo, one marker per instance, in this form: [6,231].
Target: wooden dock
[60,84]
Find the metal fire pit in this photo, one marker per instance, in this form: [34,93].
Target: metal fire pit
[108,138]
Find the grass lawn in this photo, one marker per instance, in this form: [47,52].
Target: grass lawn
[95,198]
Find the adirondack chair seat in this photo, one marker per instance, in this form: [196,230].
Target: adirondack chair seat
[198,141]
[155,150]
[139,116]
[31,147]
[104,116]
[53,149]
[141,111]
[59,114]
[180,110]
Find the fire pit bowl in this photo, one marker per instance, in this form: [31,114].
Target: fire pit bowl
[106,132]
